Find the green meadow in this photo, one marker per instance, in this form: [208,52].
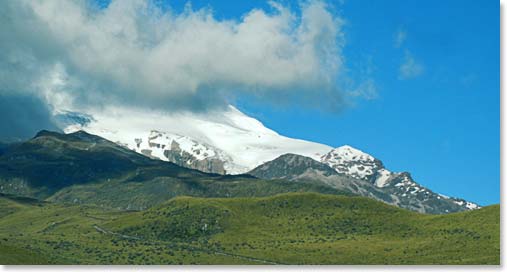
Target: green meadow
[292,228]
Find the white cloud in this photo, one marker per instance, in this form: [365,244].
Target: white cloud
[132,52]
[410,68]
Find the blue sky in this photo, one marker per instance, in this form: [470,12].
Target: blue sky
[439,119]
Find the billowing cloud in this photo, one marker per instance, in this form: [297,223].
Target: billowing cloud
[410,68]
[71,53]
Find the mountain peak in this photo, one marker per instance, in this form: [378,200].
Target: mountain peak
[352,162]
[79,135]
[44,133]
[350,153]
[290,166]
[86,137]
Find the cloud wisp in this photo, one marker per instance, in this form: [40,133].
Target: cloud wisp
[73,54]
[410,68]
[399,38]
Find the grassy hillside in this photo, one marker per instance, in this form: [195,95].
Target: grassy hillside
[295,228]
[141,190]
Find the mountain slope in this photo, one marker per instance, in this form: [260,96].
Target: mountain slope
[87,169]
[296,228]
[400,185]
[359,177]
[3,148]
[51,161]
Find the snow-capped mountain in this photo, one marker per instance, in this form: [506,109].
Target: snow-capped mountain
[183,150]
[392,188]
[354,163]
[220,142]
[230,142]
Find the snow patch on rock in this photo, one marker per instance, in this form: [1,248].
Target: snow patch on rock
[352,162]
[383,176]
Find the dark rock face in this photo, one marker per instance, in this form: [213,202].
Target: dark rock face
[290,166]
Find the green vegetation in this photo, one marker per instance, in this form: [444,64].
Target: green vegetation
[294,228]
[129,194]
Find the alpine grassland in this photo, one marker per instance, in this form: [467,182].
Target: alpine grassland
[291,228]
